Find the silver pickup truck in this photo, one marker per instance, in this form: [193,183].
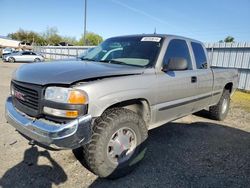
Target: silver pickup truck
[106,103]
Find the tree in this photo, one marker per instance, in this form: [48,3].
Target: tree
[27,36]
[51,36]
[229,39]
[92,39]
[70,40]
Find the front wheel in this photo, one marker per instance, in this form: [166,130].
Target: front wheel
[118,143]
[220,111]
[11,60]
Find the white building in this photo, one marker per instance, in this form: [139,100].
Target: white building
[6,42]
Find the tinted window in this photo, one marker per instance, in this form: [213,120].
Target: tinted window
[178,48]
[199,54]
[25,53]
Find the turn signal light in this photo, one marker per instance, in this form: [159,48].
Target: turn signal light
[61,113]
[77,97]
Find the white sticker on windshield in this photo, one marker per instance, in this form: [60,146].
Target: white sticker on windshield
[151,39]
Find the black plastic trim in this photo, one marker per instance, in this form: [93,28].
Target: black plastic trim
[187,102]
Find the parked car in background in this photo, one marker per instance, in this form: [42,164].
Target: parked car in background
[24,56]
[7,51]
[7,54]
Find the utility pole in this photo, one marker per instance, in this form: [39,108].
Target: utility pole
[85,22]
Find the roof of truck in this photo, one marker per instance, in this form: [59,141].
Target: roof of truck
[159,35]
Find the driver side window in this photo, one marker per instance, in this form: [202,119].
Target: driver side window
[177,48]
[25,53]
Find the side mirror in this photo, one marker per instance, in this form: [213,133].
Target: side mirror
[175,64]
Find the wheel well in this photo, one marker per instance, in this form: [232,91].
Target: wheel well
[229,86]
[139,106]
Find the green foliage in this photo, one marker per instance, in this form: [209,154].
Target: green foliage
[28,36]
[92,39]
[229,39]
[51,37]
[70,40]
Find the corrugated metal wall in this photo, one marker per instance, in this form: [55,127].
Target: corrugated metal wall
[61,52]
[233,55]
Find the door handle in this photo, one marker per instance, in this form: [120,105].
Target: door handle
[193,79]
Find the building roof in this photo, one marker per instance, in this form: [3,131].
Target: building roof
[4,37]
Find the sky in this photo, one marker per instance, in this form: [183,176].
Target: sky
[205,20]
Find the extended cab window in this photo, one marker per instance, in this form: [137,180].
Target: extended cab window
[178,48]
[199,54]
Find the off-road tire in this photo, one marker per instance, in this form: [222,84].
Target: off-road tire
[12,60]
[217,112]
[104,127]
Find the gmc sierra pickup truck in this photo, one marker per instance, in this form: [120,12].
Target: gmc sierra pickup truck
[106,103]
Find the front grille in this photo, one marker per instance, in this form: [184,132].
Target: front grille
[27,98]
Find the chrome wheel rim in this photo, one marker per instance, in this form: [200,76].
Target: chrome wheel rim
[121,145]
[224,105]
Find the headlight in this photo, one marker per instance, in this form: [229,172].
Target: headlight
[66,95]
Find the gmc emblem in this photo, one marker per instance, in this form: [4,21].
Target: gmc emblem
[19,95]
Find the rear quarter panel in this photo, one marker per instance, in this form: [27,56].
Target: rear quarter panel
[223,76]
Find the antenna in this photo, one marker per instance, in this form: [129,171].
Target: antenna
[155,31]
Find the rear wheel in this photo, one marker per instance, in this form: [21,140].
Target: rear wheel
[220,111]
[37,60]
[12,60]
[118,143]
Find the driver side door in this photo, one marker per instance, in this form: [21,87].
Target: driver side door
[176,89]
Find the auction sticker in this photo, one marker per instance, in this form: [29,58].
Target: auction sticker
[151,39]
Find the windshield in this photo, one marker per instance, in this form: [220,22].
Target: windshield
[134,51]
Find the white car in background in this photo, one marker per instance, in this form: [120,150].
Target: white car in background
[24,56]
[7,51]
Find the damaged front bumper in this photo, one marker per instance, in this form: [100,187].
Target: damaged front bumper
[49,134]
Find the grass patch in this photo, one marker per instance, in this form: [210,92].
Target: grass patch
[241,100]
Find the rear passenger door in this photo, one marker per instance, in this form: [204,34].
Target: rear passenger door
[177,89]
[32,56]
[24,56]
[204,76]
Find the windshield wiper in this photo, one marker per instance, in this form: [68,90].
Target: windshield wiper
[113,61]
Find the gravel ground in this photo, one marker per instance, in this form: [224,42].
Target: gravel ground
[191,152]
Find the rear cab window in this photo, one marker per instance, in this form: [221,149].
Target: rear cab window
[200,56]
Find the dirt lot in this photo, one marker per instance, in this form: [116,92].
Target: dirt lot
[191,152]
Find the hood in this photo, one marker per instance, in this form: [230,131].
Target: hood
[62,72]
